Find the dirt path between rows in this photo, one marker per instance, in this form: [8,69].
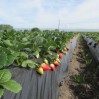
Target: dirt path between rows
[75,68]
[65,91]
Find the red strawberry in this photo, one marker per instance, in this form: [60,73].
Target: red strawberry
[67,49]
[56,63]
[60,55]
[45,67]
[52,67]
[40,70]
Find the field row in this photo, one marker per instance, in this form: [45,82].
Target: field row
[30,49]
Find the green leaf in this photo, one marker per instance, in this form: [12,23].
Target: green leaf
[36,54]
[50,52]
[5,75]
[1,92]
[24,39]
[10,58]
[3,58]
[52,47]
[8,42]
[24,64]
[23,54]
[12,86]
[29,63]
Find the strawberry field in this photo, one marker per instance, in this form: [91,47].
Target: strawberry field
[34,62]
[35,50]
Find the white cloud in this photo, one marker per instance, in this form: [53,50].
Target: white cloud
[86,15]
[32,13]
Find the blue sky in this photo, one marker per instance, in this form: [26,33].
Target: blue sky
[73,14]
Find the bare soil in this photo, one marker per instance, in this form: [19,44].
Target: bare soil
[69,89]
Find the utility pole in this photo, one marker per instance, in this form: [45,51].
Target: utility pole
[59,24]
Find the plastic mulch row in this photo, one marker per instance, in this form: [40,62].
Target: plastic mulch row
[44,86]
[94,49]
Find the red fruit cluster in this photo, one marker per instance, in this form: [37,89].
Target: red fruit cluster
[45,67]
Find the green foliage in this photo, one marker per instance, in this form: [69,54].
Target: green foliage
[94,36]
[12,86]
[5,27]
[3,58]
[80,79]
[7,42]
[35,29]
[5,76]
[28,63]
[7,57]
[7,83]
[1,92]
[16,46]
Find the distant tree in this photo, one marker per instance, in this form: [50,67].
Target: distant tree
[5,27]
[35,29]
[57,30]
[46,31]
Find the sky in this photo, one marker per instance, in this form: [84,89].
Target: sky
[72,14]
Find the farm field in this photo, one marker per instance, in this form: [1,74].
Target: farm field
[49,49]
[43,61]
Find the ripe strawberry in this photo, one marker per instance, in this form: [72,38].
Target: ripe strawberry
[46,61]
[67,49]
[40,70]
[60,55]
[56,63]
[52,67]
[45,67]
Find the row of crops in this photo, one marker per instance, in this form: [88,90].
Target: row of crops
[94,36]
[41,50]
[92,40]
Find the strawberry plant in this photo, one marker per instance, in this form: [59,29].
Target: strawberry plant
[7,83]
[80,79]
[39,44]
